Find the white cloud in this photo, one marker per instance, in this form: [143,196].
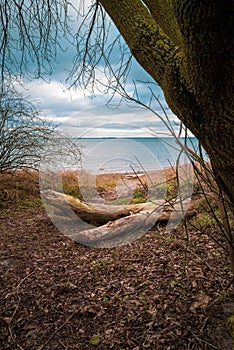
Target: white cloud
[81,115]
[54,99]
[53,90]
[99,120]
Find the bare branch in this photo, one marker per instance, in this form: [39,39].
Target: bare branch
[30,34]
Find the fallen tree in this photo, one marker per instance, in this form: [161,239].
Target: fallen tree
[116,223]
[95,213]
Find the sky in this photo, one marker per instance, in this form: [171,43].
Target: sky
[83,114]
[93,116]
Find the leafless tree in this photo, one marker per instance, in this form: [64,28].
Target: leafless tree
[23,134]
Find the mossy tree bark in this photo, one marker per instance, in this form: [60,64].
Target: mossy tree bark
[187,47]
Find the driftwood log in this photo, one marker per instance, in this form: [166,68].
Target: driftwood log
[114,224]
[94,212]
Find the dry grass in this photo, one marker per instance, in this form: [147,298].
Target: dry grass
[18,187]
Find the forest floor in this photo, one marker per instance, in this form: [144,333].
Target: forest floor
[166,290]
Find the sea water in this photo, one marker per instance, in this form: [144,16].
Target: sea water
[127,155]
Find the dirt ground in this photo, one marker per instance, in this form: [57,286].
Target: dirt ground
[163,291]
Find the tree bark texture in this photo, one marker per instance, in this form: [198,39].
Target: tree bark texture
[187,48]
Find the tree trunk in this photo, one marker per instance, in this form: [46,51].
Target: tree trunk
[187,47]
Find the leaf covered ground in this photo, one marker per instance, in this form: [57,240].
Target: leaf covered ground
[164,291]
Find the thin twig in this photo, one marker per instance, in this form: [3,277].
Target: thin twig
[204,341]
[17,293]
[17,307]
[204,324]
[224,293]
[56,331]
[60,342]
